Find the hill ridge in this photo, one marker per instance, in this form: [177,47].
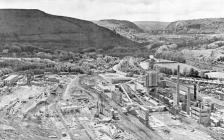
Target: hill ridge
[59,32]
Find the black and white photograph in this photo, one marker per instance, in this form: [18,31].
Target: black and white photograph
[111,70]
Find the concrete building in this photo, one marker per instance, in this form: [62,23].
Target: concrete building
[52,79]
[151,79]
[202,115]
[117,96]
[69,109]
[11,79]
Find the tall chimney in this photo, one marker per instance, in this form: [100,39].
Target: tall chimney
[178,86]
[188,100]
[195,91]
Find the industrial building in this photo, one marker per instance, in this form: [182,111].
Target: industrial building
[11,79]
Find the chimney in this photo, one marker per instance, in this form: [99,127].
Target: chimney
[188,100]
[195,91]
[178,87]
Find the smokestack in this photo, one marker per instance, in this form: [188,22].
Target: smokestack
[195,91]
[147,117]
[178,86]
[188,100]
[147,80]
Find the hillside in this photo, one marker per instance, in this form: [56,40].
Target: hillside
[57,32]
[148,26]
[202,26]
[123,27]
[120,25]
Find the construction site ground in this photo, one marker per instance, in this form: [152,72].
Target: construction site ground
[172,129]
[35,112]
[165,126]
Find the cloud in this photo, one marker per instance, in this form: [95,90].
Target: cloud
[164,10]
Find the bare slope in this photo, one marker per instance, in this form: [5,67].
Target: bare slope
[125,28]
[148,26]
[57,32]
[120,25]
[202,26]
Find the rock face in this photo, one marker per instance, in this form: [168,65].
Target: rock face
[198,26]
[57,32]
[149,26]
[120,25]
[124,28]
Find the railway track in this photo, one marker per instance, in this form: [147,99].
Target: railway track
[128,122]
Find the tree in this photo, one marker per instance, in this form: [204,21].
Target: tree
[166,70]
[206,76]
[2,39]
[15,49]
[23,54]
[175,72]
[193,72]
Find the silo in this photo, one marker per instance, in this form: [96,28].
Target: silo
[151,79]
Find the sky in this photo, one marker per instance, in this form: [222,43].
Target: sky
[132,10]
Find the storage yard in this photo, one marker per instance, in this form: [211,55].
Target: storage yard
[109,106]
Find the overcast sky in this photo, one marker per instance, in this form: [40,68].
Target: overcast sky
[133,10]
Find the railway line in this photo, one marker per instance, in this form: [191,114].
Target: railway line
[129,122]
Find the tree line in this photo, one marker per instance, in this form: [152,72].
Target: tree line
[187,73]
[170,55]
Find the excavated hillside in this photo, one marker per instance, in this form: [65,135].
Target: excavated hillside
[125,28]
[149,26]
[198,26]
[120,25]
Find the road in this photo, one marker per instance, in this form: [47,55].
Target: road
[57,109]
[74,84]
[66,94]
[88,131]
